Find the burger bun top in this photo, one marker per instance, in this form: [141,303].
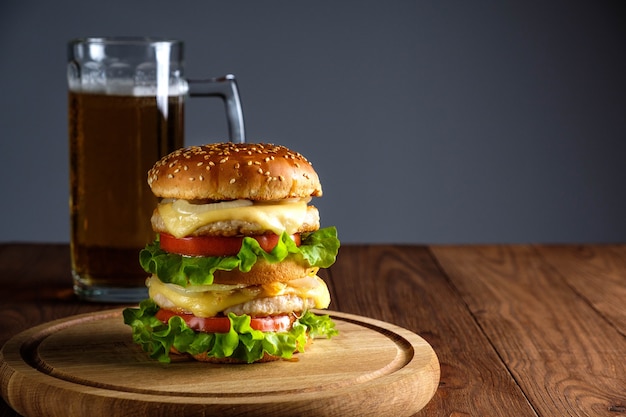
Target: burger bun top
[231,171]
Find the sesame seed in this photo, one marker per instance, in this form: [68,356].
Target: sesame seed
[170,176]
[281,178]
[237,165]
[232,180]
[201,178]
[185,167]
[192,179]
[177,170]
[200,163]
[223,160]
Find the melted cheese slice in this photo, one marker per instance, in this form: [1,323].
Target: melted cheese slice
[182,218]
[217,298]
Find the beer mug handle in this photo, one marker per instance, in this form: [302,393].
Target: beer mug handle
[226,88]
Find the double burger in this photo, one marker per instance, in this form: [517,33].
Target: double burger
[233,268]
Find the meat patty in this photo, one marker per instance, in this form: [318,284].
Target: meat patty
[311,223]
[272,305]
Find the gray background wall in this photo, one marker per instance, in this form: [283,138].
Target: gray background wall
[428,121]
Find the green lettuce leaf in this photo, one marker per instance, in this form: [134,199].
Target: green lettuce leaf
[241,342]
[318,249]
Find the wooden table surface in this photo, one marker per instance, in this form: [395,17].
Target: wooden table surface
[519,330]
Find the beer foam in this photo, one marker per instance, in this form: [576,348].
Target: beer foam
[128,88]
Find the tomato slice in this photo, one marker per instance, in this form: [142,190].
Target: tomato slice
[216,245]
[221,324]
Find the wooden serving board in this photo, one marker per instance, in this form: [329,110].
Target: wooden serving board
[88,365]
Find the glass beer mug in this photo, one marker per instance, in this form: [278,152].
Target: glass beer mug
[126,111]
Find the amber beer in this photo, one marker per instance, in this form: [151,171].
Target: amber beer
[114,141]
[126,99]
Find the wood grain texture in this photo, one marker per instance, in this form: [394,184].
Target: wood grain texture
[519,330]
[566,358]
[403,285]
[596,273]
[88,365]
[36,287]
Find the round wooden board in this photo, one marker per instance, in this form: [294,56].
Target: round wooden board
[88,365]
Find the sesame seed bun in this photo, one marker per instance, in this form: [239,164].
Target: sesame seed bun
[230,171]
